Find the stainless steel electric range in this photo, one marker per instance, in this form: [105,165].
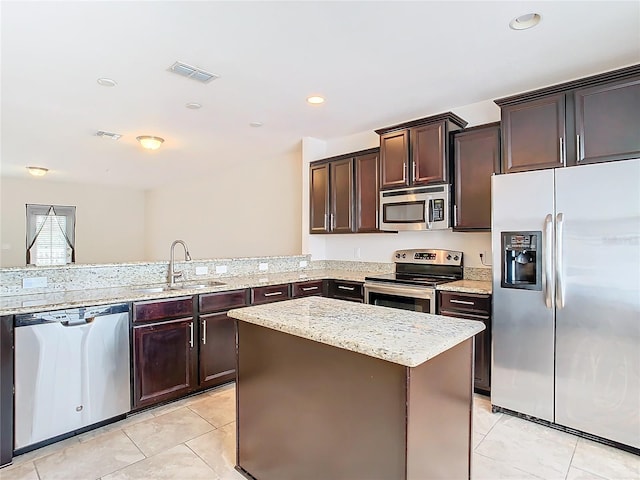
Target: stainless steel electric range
[413,285]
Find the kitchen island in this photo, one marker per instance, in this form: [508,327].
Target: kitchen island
[347,391]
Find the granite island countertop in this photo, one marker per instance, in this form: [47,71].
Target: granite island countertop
[399,336]
[61,299]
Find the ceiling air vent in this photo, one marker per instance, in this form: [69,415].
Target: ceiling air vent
[194,73]
[112,136]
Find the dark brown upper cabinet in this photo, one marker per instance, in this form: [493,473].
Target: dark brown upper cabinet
[608,122]
[367,199]
[343,193]
[590,120]
[534,134]
[417,152]
[476,156]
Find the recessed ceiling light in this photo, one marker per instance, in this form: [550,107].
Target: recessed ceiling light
[38,171]
[256,124]
[107,82]
[315,99]
[524,22]
[111,135]
[193,106]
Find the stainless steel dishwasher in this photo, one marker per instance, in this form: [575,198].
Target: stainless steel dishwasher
[71,371]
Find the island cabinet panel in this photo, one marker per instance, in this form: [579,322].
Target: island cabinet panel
[306,289]
[473,306]
[608,122]
[345,421]
[270,293]
[476,157]
[217,338]
[534,134]
[165,360]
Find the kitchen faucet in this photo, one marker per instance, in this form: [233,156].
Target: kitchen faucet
[173,274]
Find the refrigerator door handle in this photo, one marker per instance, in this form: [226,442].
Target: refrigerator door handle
[547,279]
[559,266]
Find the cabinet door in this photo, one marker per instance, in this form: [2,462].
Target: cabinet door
[394,159]
[164,361]
[319,198]
[217,349]
[367,197]
[346,290]
[429,154]
[307,289]
[608,122]
[533,134]
[268,294]
[341,203]
[476,157]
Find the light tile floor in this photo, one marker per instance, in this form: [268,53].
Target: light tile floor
[194,438]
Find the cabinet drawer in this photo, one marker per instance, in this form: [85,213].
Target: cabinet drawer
[479,304]
[346,290]
[154,310]
[216,302]
[305,289]
[272,293]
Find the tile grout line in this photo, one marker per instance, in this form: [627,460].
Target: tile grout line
[575,447]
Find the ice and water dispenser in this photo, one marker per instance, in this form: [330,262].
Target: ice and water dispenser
[522,260]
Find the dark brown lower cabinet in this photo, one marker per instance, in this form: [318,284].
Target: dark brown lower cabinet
[346,290]
[217,359]
[6,390]
[473,306]
[165,361]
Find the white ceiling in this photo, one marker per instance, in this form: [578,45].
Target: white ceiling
[377,63]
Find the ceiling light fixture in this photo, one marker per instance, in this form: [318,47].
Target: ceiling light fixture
[315,99]
[523,22]
[193,106]
[256,124]
[106,82]
[38,171]
[150,142]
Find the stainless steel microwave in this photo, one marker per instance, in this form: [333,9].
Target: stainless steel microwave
[415,208]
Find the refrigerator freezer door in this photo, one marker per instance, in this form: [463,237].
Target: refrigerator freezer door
[523,325]
[598,328]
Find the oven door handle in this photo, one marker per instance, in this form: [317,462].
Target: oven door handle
[403,291]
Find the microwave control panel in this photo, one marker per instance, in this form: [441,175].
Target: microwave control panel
[438,210]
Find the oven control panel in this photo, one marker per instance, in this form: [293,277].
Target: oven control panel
[428,257]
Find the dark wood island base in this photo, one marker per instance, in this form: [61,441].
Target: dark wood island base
[307,410]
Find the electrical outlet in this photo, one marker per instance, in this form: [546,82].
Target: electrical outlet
[263,267]
[303,263]
[221,269]
[34,282]
[202,270]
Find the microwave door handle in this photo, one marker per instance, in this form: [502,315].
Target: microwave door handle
[430,213]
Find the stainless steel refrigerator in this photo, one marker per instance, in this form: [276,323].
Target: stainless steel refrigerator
[566,297]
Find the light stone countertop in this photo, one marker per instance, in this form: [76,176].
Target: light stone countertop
[399,336]
[58,300]
[467,286]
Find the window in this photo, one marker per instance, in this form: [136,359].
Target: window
[50,234]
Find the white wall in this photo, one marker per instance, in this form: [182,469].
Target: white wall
[379,247]
[109,221]
[241,212]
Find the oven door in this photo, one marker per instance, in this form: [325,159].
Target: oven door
[406,297]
